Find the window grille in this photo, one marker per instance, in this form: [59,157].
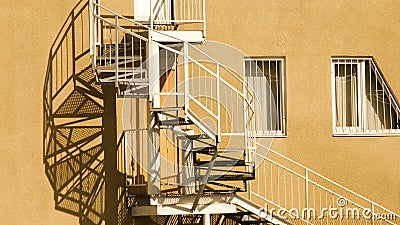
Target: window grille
[266,77]
[362,101]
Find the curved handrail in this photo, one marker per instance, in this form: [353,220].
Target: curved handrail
[211,73]
[95,8]
[156,31]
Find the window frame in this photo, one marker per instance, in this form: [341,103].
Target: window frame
[362,128]
[282,93]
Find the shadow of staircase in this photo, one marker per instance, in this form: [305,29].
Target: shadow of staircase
[73,153]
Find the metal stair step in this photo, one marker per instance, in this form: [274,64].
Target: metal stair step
[132,81]
[175,122]
[228,177]
[120,57]
[221,163]
[193,136]
[206,149]
[165,109]
[210,149]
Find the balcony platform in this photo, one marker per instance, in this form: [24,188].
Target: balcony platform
[182,205]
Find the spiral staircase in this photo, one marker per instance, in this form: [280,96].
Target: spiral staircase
[193,104]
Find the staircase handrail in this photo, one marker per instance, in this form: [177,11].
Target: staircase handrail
[249,93]
[310,177]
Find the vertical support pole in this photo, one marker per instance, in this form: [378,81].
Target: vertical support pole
[206,219]
[186,74]
[188,178]
[153,71]
[116,51]
[109,138]
[153,156]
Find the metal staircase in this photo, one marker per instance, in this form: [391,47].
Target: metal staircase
[124,58]
[205,110]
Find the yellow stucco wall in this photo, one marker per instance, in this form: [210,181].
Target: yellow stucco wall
[308,33]
[28,29]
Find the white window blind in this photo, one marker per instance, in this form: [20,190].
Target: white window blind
[266,77]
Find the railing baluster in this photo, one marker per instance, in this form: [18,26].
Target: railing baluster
[186,76]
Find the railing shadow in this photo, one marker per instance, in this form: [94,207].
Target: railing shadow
[73,152]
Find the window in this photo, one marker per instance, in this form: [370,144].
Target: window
[266,77]
[362,101]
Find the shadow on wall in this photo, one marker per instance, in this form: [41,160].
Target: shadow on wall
[74,155]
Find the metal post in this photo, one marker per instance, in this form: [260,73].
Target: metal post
[109,137]
[186,74]
[187,167]
[116,51]
[206,219]
[218,102]
[153,71]
[153,156]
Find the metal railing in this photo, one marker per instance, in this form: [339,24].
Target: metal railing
[112,42]
[205,85]
[303,196]
[178,11]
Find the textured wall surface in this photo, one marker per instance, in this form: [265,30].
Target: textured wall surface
[28,29]
[307,33]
